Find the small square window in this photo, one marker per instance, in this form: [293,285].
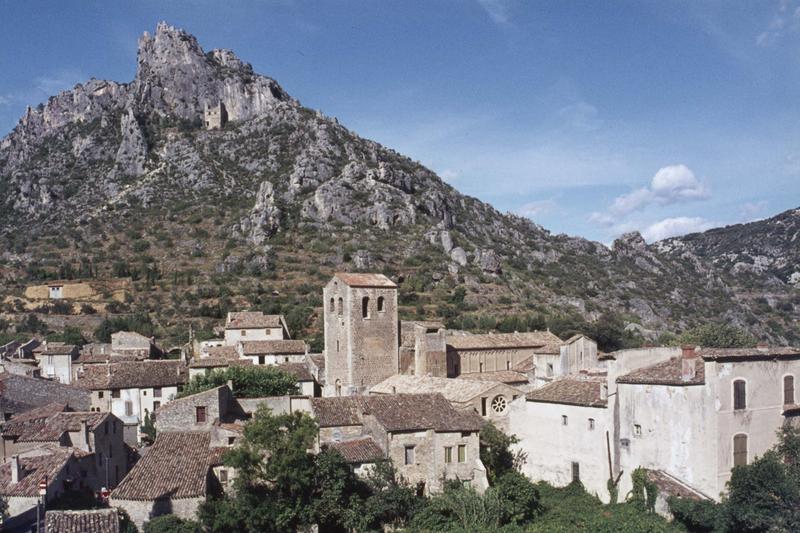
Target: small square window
[564,420]
[637,430]
[157,392]
[448,454]
[462,453]
[591,424]
[409,455]
[115,393]
[100,395]
[244,333]
[200,414]
[231,441]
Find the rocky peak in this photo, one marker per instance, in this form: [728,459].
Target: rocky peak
[175,77]
[630,242]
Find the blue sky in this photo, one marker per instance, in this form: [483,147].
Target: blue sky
[592,118]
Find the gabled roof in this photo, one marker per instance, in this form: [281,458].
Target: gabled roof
[361,450]
[763,352]
[274,347]
[35,469]
[457,390]
[508,377]
[395,412]
[137,374]
[354,279]
[58,348]
[570,391]
[665,373]
[37,427]
[20,424]
[252,319]
[218,362]
[540,341]
[175,466]
[298,370]
[94,521]
[22,393]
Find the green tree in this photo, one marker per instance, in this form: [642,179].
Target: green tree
[169,523]
[148,429]
[718,336]
[519,498]
[391,501]
[336,498]
[248,381]
[496,454]
[70,335]
[460,508]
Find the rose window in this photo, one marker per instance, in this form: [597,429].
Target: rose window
[499,404]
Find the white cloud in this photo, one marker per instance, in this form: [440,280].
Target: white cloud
[497,9]
[786,20]
[534,209]
[449,175]
[671,184]
[671,227]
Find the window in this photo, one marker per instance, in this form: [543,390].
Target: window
[380,304]
[128,408]
[739,394]
[286,359]
[448,454]
[591,424]
[337,345]
[157,392]
[480,367]
[499,404]
[223,477]
[341,307]
[508,365]
[244,333]
[483,406]
[462,453]
[576,471]
[231,441]
[156,405]
[144,393]
[365,307]
[338,387]
[100,395]
[564,420]
[740,449]
[115,393]
[200,414]
[261,359]
[549,369]
[331,306]
[637,430]
[788,389]
[409,455]
[110,452]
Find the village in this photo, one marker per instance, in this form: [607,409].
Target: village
[130,427]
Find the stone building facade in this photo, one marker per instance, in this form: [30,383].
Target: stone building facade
[215,117]
[361,332]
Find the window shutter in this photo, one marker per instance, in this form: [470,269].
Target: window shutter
[740,450]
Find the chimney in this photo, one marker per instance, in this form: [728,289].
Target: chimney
[82,440]
[16,471]
[688,363]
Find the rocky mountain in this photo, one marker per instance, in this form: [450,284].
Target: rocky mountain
[125,179]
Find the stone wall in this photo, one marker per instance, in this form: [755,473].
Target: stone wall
[142,511]
[489,360]
[181,414]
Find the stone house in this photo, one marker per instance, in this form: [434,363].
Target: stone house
[361,332]
[215,117]
[61,468]
[427,439]
[579,352]
[22,393]
[467,354]
[94,521]
[98,434]
[686,415]
[134,344]
[217,358]
[360,453]
[489,399]
[174,477]
[254,326]
[131,390]
[273,352]
[422,349]
[55,360]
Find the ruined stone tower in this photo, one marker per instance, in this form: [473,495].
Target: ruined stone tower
[361,332]
[215,117]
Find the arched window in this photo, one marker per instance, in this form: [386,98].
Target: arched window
[788,389]
[341,307]
[338,387]
[380,304]
[331,306]
[739,394]
[740,449]
[365,307]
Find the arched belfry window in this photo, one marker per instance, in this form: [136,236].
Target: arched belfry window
[338,387]
[365,307]
[380,304]
[341,307]
[331,307]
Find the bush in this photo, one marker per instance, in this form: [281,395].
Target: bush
[248,382]
[171,524]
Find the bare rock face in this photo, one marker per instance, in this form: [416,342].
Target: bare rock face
[264,219]
[132,152]
[459,256]
[489,261]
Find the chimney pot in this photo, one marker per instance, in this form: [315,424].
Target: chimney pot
[688,351]
[15,469]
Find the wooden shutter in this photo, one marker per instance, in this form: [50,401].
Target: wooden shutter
[739,394]
[740,450]
[788,389]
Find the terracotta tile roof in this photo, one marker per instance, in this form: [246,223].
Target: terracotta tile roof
[363,450]
[570,391]
[280,347]
[94,521]
[218,362]
[54,427]
[21,424]
[96,359]
[525,366]
[319,361]
[395,412]
[498,376]
[175,466]
[33,470]
[665,373]
[457,390]
[252,319]
[148,373]
[228,352]
[215,455]
[298,370]
[354,279]
[22,393]
[748,353]
[544,341]
[57,348]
